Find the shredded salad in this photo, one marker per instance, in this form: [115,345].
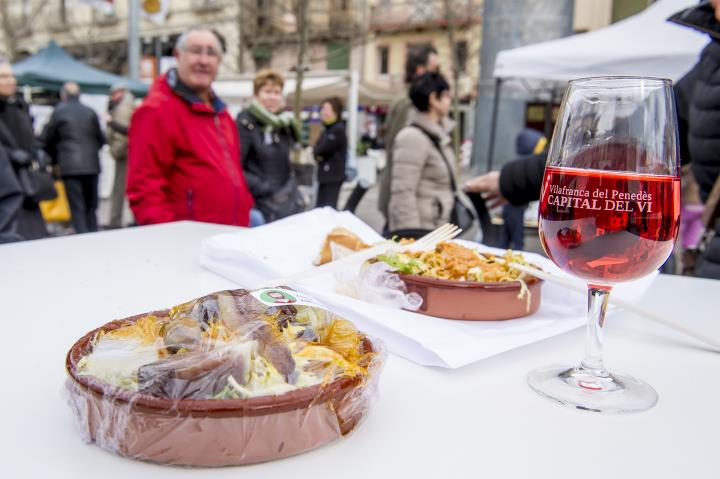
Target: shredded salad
[227,345]
[452,261]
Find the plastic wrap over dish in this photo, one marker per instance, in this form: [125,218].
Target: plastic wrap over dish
[235,377]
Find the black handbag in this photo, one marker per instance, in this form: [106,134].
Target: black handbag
[286,201]
[461,215]
[37,182]
[33,173]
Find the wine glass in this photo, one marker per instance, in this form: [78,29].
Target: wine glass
[609,212]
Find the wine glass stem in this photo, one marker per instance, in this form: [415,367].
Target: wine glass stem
[597,305]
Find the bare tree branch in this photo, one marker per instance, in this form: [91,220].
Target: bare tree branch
[8,32]
[12,27]
[303,28]
[455,67]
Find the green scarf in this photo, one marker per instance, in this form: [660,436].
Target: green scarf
[274,122]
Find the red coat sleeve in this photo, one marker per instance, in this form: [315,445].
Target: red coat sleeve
[150,156]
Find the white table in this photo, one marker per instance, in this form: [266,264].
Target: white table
[478,421]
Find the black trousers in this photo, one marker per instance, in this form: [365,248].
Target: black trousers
[328,194]
[82,193]
[708,264]
[30,222]
[513,234]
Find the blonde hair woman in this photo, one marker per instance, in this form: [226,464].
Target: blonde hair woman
[267,134]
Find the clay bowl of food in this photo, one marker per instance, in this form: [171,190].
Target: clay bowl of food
[222,380]
[456,282]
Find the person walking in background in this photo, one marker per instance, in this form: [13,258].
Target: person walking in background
[267,134]
[421,196]
[518,182]
[529,142]
[18,140]
[120,109]
[11,200]
[184,151]
[330,152]
[73,138]
[418,62]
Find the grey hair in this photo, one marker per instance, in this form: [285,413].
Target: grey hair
[182,39]
[70,90]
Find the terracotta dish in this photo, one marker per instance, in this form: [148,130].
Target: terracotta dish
[473,301]
[214,432]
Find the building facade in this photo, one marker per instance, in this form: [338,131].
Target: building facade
[255,33]
[398,26]
[371,36]
[96,32]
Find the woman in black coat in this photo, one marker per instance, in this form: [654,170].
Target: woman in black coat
[330,152]
[18,139]
[267,135]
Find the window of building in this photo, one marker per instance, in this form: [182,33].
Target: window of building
[25,10]
[339,6]
[461,56]
[384,60]
[263,16]
[338,56]
[262,56]
[621,9]
[63,12]
[414,47]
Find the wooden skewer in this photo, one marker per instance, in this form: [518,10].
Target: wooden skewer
[626,305]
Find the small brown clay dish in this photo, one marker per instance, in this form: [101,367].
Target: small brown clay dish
[472,300]
[211,432]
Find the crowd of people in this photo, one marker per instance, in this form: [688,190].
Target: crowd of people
[181,156]
[178,156]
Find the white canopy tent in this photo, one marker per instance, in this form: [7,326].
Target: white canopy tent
[645,44]
[315,87]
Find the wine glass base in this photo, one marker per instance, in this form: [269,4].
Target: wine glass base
[576,387]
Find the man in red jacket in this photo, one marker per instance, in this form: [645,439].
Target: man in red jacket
[184,151]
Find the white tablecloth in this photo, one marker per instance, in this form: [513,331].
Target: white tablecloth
[478,421]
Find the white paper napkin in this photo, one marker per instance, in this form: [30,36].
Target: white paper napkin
[289,246]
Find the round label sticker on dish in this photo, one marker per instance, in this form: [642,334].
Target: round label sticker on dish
[283,296]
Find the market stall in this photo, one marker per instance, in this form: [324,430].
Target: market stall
[645,44]
[52,66]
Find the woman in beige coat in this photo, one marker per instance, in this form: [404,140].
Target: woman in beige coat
[421,189]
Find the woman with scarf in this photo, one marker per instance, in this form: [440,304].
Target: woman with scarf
[330,151]
[267,134]
[18,139]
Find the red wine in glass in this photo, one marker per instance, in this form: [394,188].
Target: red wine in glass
[606,226]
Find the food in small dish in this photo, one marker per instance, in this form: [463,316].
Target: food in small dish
[457,282]
[235,377]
